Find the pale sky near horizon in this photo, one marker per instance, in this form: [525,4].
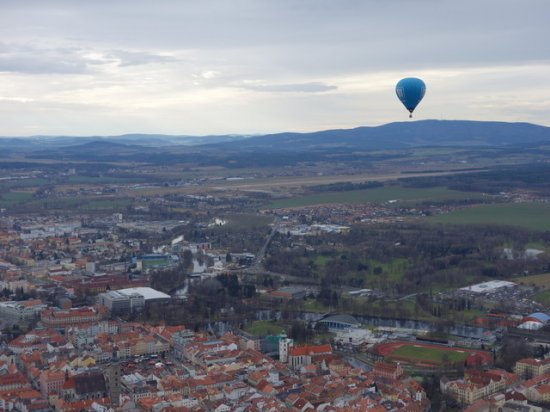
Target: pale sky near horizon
[256,66]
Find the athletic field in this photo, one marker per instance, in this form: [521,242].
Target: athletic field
[430,355]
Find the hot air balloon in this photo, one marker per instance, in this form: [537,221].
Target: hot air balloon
[410,91]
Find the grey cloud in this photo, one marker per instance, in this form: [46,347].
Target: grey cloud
[29,60]
[23,58]
[37,65]
[136,58]
[345,35]
[312,87]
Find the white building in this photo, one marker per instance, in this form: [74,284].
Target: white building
[130,299]
[488,287]
[119,303]
[356,337]
[21,311]
[284,345]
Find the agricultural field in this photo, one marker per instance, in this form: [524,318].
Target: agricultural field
[247,221]
[116,204]
[12,198]
[378,195]
[542,280]
[533,216]
[96,180]
[89,204]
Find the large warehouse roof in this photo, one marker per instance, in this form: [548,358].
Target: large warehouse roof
[147,293]
[342,319]
[490,286]
[541,317]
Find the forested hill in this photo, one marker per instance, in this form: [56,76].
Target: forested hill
[405,135]
[285,148]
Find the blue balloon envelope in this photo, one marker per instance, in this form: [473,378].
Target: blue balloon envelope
[410,91]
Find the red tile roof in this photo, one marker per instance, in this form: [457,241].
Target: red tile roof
[309,350]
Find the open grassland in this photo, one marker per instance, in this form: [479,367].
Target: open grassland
[89,204]
[303,181]
[20,183]
[392,271]
[246,221]
[378,195]
[533,216]
[107,204]
[542,280]
[96,180]
[415,354]
[312,305]
[543,297]
[264,328]
[536,245]
[12,198]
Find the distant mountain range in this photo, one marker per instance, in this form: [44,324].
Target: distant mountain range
[393,136]
[152,140]
[406,135]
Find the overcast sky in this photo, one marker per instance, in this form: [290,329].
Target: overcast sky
[253,66]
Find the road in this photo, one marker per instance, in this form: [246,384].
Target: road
[257,268]
[407,297]
[258,262]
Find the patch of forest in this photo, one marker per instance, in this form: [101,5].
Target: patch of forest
[405,258]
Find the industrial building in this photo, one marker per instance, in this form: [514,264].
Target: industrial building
[129,300]
[534,321]
[488,287]
[340,322]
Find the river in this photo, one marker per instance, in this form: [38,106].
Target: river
[465,331]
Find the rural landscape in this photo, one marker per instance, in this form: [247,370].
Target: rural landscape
[428,262]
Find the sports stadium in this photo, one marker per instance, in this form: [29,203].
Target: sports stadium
[428,355]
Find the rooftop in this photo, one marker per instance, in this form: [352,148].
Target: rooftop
[342,319]
[147,293]
[490,286]
[541,317]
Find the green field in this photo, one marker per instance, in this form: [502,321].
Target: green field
[536,245]
[312,305]
[24,183]
[28,204]
[377,195]
[392,271]
[247,221]
[107,204]
[534,216]
[264,328]
[542,280]
[419,353]
[106,179]
[543,297]
[13,198]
